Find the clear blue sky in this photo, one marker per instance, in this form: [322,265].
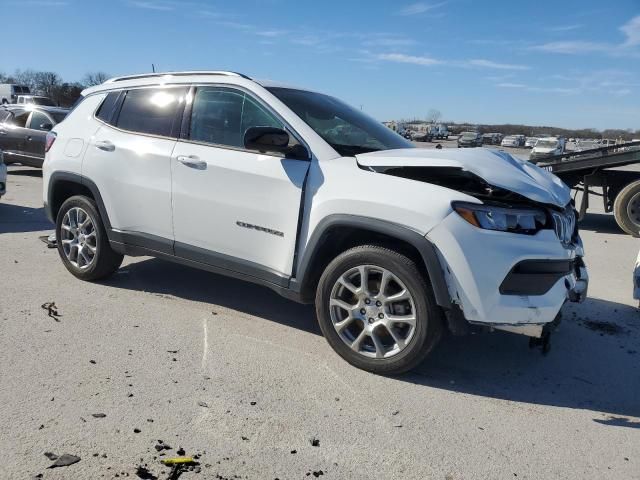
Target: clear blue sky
[570,63]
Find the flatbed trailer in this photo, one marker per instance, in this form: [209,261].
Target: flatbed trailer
[602,167]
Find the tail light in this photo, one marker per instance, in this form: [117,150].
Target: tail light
[48,143]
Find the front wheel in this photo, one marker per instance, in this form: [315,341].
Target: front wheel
[626,208]
[82,240]
[376,310]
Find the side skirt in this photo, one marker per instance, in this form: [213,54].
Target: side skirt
[213,264]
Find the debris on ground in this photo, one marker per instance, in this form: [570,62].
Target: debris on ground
[145,474]
[180,465]
[51,456]
[181,451]
[315,442]
[603,327]
[65,460]
[52,310]
[98,415]
[203,404]
[50,240]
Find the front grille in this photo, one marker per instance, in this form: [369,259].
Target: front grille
[564,223]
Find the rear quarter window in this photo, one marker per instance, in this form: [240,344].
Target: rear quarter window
[153,111]
[105,111]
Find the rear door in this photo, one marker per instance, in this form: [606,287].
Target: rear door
[233,207]
[38,125]
[129,159]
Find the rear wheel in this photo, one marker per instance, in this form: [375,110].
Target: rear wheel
[376,310]
[82,240]
[626,209]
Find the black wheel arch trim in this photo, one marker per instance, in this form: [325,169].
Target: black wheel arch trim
[426,249]
[63,176]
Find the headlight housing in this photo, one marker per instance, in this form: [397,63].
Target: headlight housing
[527,221]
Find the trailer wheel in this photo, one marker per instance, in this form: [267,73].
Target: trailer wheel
[626,209]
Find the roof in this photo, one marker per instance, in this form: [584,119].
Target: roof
[145,79]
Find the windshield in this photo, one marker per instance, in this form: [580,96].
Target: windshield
[547,143]
[347,130]
[468,135]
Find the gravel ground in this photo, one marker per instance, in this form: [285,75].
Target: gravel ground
[234,373]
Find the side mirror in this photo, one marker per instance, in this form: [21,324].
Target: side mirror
[266,139]
[46,126]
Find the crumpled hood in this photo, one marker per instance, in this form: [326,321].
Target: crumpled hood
[496,167]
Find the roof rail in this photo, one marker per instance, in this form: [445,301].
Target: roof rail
[176,74]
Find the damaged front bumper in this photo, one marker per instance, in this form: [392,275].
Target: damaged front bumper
[504,281]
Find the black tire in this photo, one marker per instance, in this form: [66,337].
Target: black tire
[429,317]
[623,203]
[106,261]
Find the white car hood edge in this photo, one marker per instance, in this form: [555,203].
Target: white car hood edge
[496,167]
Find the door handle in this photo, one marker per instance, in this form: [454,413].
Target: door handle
[105,145]
[192,161]
[28,138]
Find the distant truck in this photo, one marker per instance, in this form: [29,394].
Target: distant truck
[548,147]
[9,92]
[35,100]
[440,132]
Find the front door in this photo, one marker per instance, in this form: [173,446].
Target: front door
[233,207]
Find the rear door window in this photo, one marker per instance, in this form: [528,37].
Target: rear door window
[154,111]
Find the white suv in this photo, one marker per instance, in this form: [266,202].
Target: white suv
[297,191]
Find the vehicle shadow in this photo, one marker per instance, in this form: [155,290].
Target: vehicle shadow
[594,364]
[167,278]
[18,218]
[587,368]
[600,223]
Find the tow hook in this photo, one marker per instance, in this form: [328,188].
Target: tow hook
[544,341]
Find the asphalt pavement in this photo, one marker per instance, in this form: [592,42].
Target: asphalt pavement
[165,355]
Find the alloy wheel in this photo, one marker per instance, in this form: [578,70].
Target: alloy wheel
[372,311]
[78,238]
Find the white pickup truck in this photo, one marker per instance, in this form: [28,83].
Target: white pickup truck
[298,191]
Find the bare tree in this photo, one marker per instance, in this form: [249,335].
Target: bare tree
[27,78]
[95,78]
[47,83]
[434,115]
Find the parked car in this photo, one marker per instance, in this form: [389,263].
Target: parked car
[426,136]
[3,175]
[9,92]
[470,139]
[530,142]
[488,138]
[394,244]
[35,100]
[510,141]
[547,147]
[23,129]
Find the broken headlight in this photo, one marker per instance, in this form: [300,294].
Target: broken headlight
[502,219]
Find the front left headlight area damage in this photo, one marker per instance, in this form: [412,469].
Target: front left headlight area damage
[510,263]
